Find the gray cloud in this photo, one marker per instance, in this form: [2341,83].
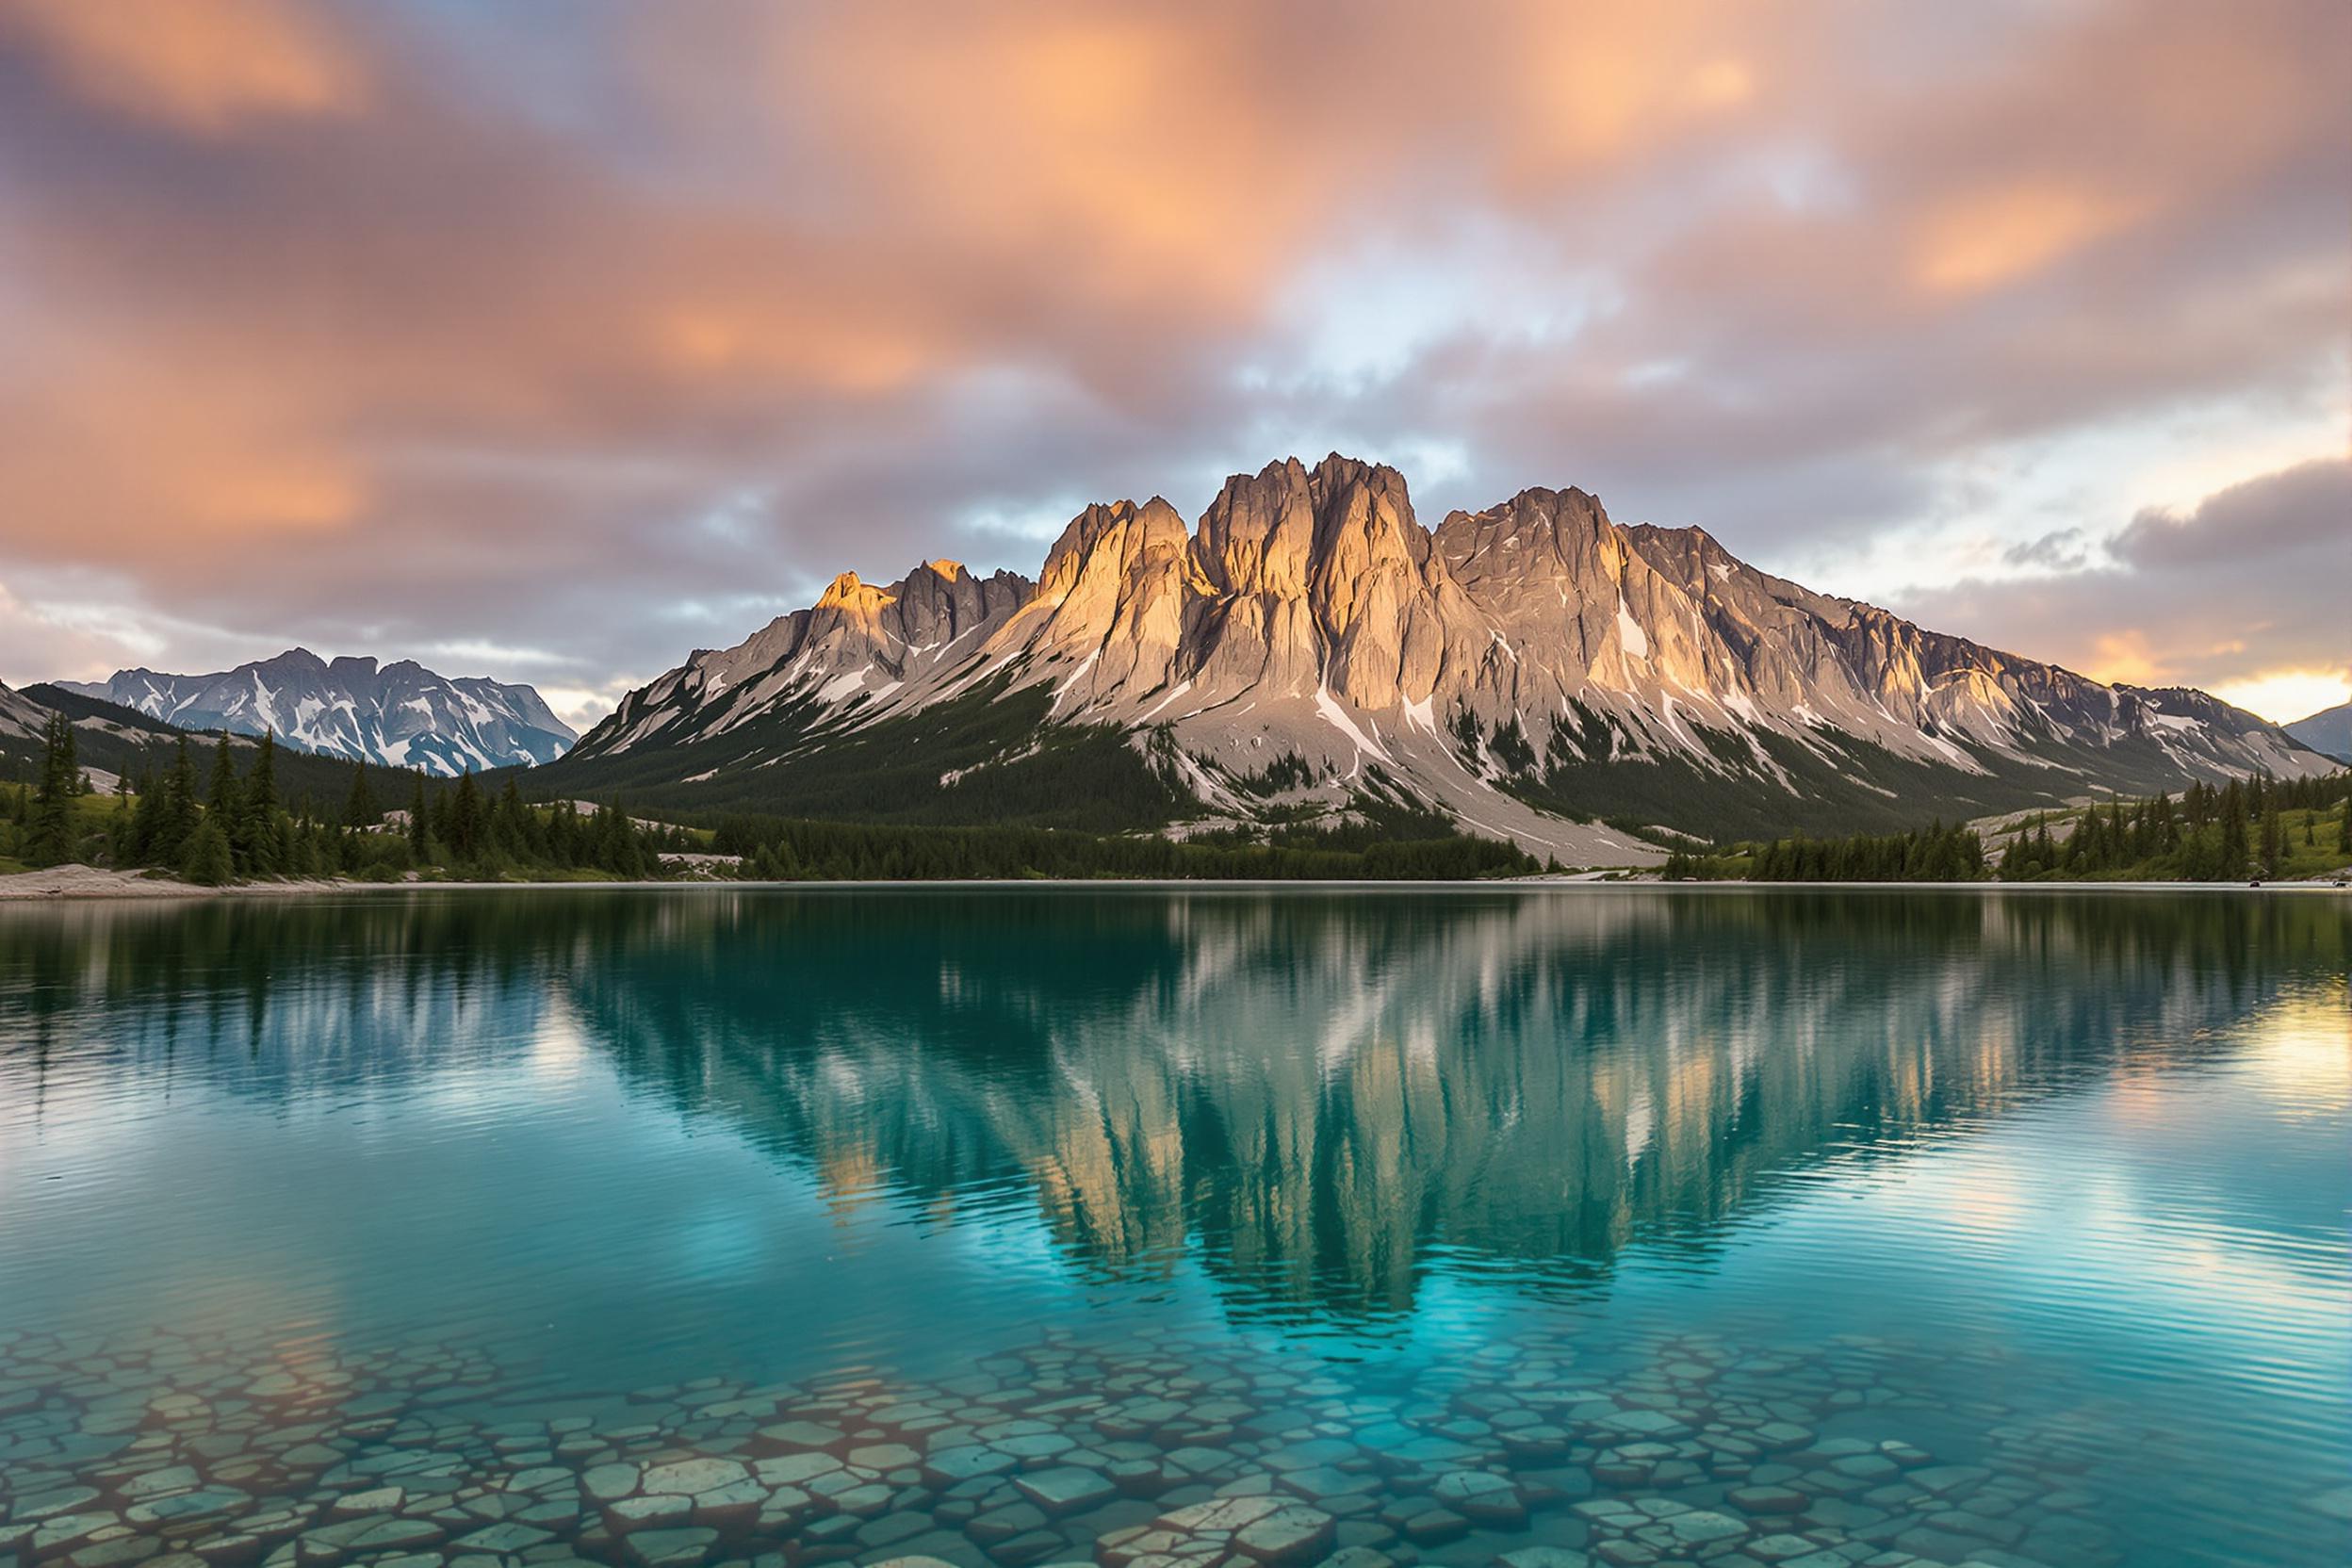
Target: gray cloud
[2061,550]
[2305,509]
[2252,581]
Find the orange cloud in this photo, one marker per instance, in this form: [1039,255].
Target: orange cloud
[742,338]
[1980,238]
[125,455]
[1721,84]
[1114,157]
[196,65]
[1596,84]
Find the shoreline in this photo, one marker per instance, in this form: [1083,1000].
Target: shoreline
[75,884]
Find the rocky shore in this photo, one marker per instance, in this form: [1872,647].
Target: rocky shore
[1158,1452]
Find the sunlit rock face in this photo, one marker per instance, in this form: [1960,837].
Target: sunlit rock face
[1109,607]
[857,640]
[1479,667]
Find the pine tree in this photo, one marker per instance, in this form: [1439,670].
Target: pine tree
[464,832]
[177,819]
[510,825]
[420,831]
[359,807]
[618,850]
[52,839]
[220,804]
[2234,847]
[209,862]
[146,818]
[258,818]
[122,833]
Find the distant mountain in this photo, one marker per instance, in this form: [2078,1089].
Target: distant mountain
[2328,730]
[402,715]
[1535,670]
[111,740]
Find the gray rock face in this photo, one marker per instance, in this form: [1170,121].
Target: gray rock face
[401,715]
[20,716]
[1311,615]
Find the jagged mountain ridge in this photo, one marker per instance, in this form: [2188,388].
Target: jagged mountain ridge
[402,714]
[1518,666]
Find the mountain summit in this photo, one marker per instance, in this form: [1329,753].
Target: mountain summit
[1534,670]
[402,715]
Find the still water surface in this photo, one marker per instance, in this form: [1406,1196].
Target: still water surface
[1004,1226]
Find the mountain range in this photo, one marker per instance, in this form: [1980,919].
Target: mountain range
[1310,651]
[401,715]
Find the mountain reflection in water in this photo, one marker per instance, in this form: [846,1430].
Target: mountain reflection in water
[1315,1096]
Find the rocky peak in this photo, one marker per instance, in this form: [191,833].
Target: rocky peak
[1111,601]
[1323,579]
[295,661]
[1549,531]
[1311,615]
[851,596]
[1108,542]
[1363,510]
[1257,534]
[938,604]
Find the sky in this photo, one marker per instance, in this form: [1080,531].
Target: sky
[551,341]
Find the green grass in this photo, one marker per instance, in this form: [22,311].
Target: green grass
[2318,859]
[2300,862]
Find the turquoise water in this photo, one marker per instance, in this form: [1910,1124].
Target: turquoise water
[1169,1227]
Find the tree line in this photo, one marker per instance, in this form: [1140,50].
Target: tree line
[2254,827]
[1935,854]
[236,825]
[2210,834]
[777,849]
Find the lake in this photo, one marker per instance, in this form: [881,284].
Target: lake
[1166,1228]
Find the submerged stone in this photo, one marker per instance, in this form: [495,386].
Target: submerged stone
[1065,1490]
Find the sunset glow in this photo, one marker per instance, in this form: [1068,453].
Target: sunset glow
[385,328]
